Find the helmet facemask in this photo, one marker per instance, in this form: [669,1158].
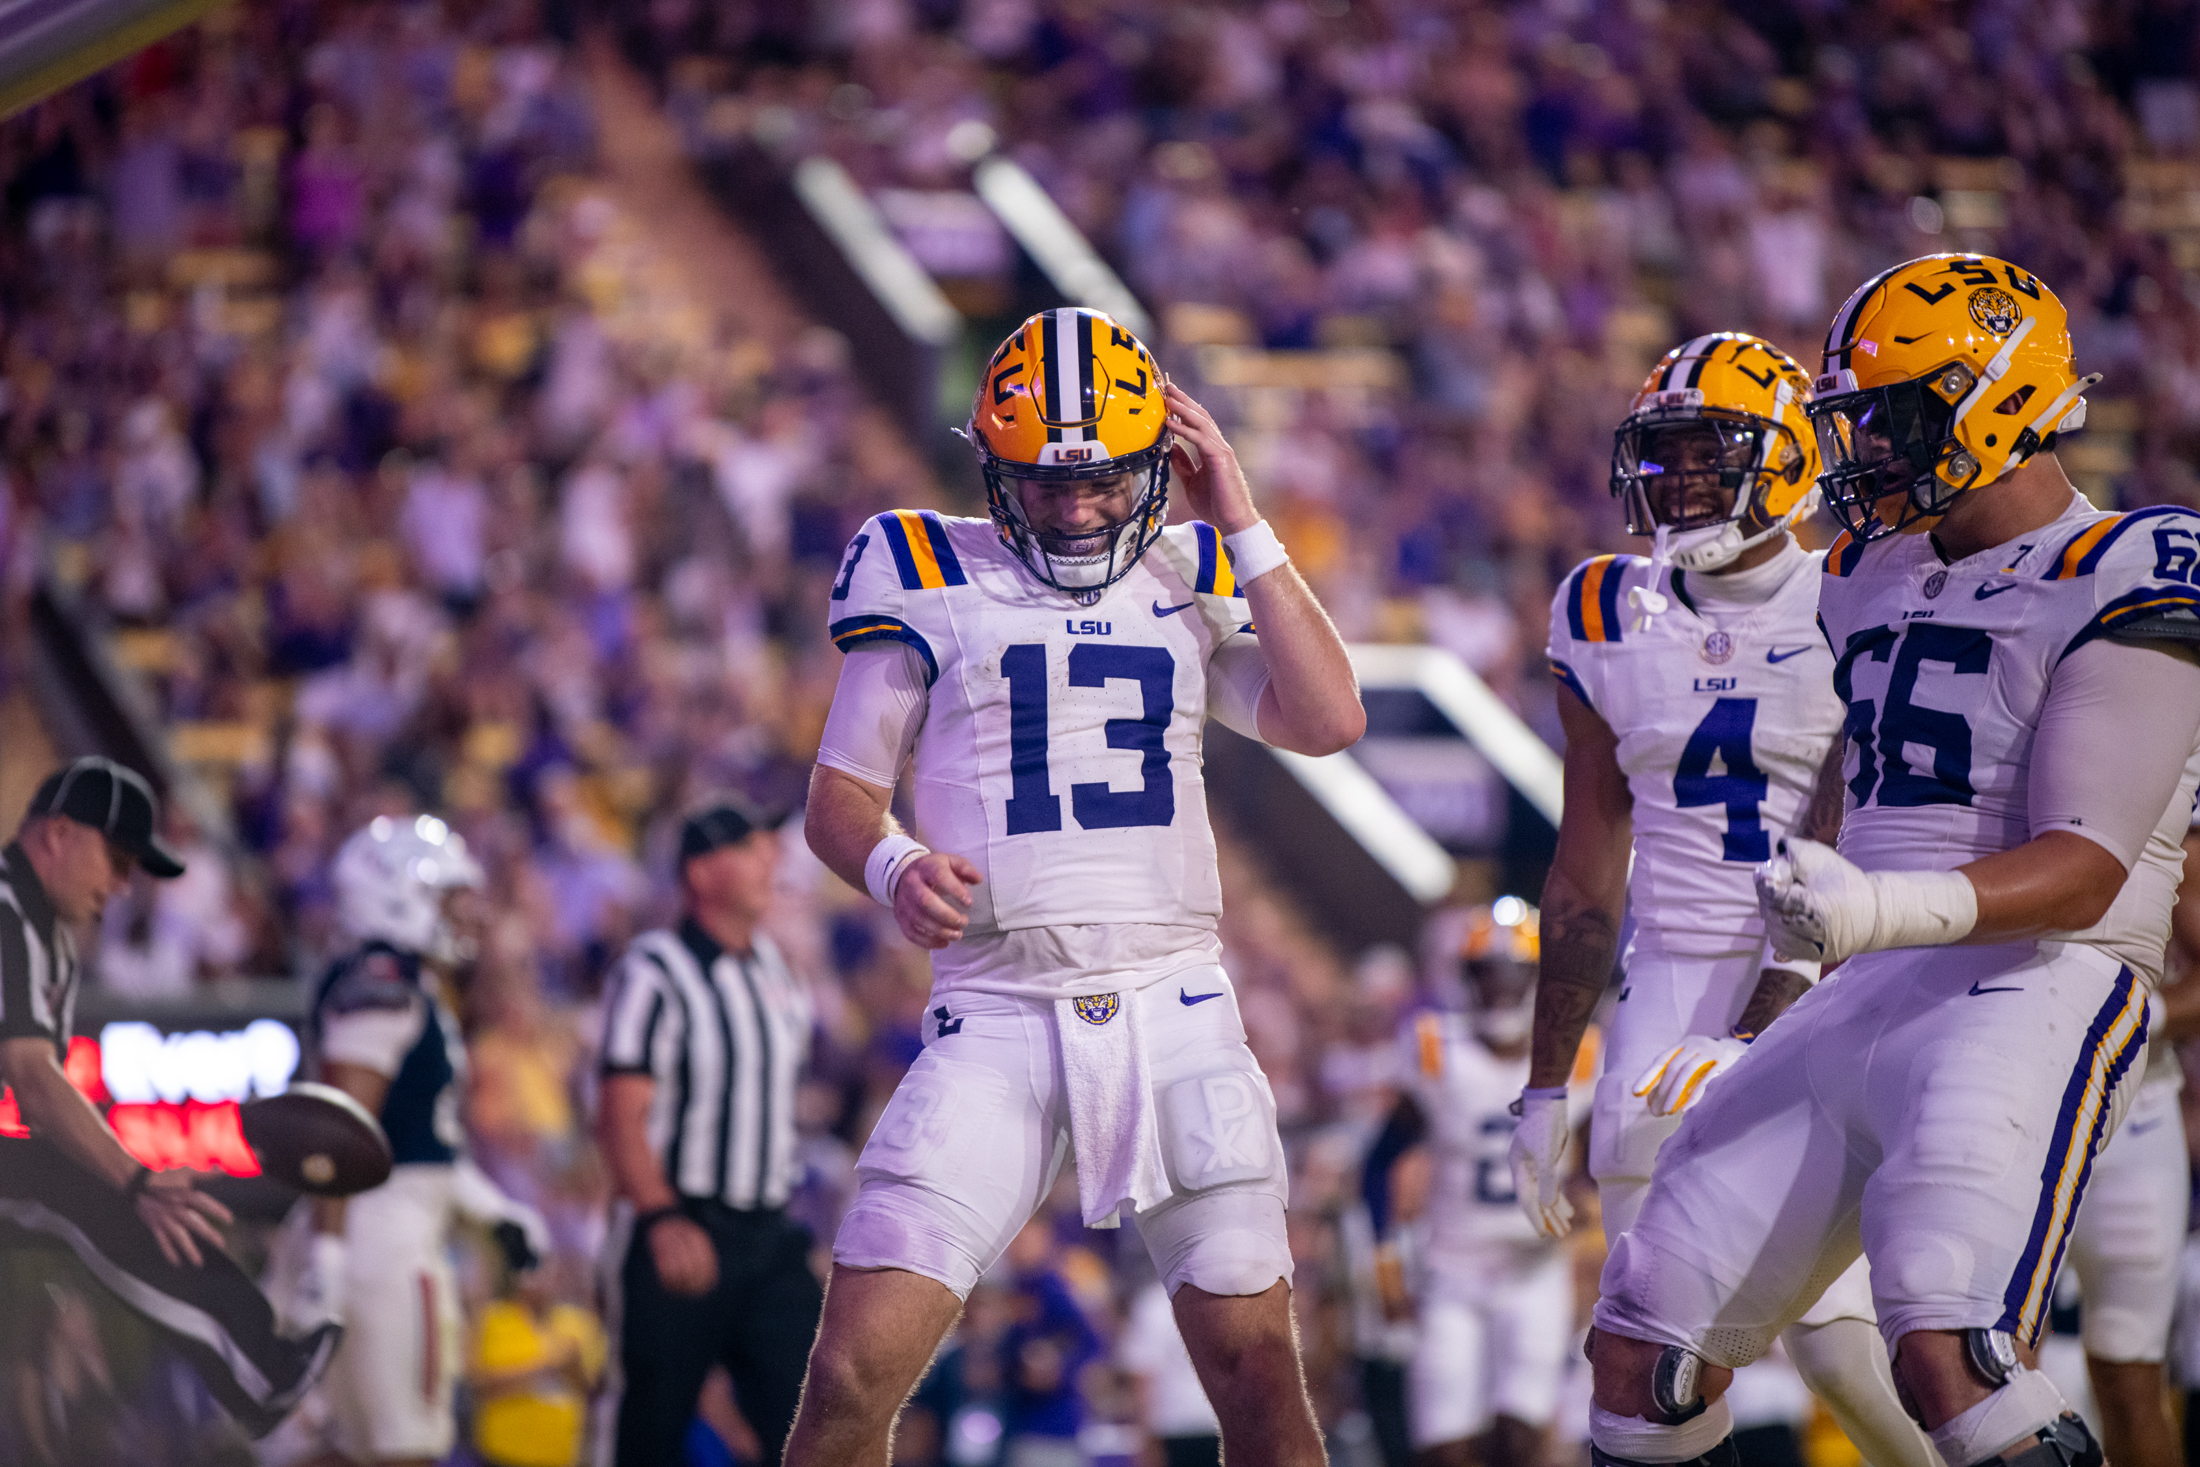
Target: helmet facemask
[1081,566]
[1900,439]
[1701,476]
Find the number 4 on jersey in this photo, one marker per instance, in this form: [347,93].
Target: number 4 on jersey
[1724,733]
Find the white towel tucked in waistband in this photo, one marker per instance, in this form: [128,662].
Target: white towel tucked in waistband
[1111,1110]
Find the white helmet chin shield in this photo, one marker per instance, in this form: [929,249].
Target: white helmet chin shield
[1508,1025]
[391,878]
[1713,546]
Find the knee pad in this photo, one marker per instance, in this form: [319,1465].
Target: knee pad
[1230,1242]
[2027,1407]
[1706,1439]
[884,1229]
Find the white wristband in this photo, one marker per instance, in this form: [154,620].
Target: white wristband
[1922,909]
[1255,552]
[888,859]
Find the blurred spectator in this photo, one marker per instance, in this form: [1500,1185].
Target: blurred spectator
[1043,1355]
[535,1360]
[1172,1406]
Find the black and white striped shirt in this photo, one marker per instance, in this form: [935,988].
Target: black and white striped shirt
[38,969]
[724,1036]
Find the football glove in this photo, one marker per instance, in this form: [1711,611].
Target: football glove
[317,1293]
[1674,1082]
[1820,905]
[1538,1157]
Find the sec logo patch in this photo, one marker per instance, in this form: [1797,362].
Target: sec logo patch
[1995,310]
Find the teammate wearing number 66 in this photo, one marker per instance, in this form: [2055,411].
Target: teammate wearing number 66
[1048,674]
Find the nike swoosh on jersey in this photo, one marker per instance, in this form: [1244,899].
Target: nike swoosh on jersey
[1975,990]
[1160,610]
[1188,999]
[2140,1128]
[1990,590]
[1775,656]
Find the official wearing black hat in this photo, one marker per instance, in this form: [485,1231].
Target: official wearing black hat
[705,1034]
[152,1238]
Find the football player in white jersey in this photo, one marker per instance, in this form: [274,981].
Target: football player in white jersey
[1696,693]
[1048,674]
[2022,745]
[1495,1297]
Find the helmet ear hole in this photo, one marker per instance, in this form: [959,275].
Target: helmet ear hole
[2015,401]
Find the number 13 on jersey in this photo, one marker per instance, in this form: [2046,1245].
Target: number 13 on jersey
[1033,805]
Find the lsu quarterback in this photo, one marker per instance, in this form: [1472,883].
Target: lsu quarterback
[2022,743]
[1696,693]
[1048,672]
[1492,1296]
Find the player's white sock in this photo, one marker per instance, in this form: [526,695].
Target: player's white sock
[1637,1439]
[2027,1403]
[1845,1362]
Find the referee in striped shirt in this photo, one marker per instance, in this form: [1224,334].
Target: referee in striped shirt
[151,1238]
[705,1031]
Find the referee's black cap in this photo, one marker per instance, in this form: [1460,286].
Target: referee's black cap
[114,801]
[727,820]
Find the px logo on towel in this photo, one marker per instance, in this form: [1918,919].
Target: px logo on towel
[1098,1008]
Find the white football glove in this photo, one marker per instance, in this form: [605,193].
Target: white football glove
[1821,906]
[317,1294]
[1674,1082]
[1538,1157]
[480,1200]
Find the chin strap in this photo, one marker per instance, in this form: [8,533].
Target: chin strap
[1647,599]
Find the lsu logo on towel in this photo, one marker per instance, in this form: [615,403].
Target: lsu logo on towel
[1098,1008]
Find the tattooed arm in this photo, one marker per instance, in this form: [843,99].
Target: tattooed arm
[1584,894]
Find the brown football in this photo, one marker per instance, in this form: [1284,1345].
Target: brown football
[317,1139]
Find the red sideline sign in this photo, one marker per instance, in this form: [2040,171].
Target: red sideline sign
[172,1098]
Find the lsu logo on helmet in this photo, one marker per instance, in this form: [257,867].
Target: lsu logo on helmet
[1071,395]
[1940,376]
[1715,454]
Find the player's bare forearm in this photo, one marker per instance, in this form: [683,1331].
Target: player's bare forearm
[846,817]
[58,1113]
[2055,882]
[1828,797]
[1312,703]
[622,1131]
[1580,940]
[1776,989]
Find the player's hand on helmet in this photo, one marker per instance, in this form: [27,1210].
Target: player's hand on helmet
[1538,1164]
[932,898]
[1675,1081]
[1205,466]
[1818,904]
[180,1217]
[686,1261]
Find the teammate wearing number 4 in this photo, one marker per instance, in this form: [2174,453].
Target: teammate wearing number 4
[1696,694]
[2001,897]
[1049,674]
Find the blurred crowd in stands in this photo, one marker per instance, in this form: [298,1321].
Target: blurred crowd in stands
[381,445]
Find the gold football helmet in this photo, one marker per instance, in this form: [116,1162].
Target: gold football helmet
[1715,455]
[1940,376]
[1072,395]
[1500,949]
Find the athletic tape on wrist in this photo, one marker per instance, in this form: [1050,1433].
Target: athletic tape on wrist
[1922,909]
[888,859]
[1255,552]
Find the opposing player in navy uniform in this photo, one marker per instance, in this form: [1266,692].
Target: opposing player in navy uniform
[1048,676]
[2022,743]
[383,1030]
